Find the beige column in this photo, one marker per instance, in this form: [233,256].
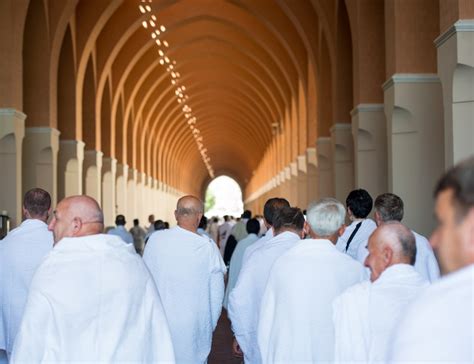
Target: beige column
[92,174]
[12,132]
[132,194]
[343,159]
[121,190]
[70,167]
[40,160]
[312,187]
[302,182]
[109,173]
[141,206]
[456,71]
[325,167]
[369,131]
[415,149]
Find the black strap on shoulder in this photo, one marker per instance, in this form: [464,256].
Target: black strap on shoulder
[353,234]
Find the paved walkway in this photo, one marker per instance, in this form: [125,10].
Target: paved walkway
[221,351]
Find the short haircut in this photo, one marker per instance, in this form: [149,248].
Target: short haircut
[460,179]
[288,217]
[120,220]
[406,239]
[326,216]
[247,214]
[271,206]
[159,225]
[389,206]
[253,226]
[37,202]
[360,203]
[136,222]
[203,222]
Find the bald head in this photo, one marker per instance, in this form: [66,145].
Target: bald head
[188,213]
[391,243]
[76,216]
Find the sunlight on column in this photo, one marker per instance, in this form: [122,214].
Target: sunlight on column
[223,197]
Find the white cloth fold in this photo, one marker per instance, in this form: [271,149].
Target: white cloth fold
[21,253]
[366,314]
[362,235]
[93,300]
[439,325]
[245,299]
[189,274]
[295,323]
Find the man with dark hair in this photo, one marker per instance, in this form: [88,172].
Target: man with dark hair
[245,299]
[389,207]
[21,252]
[120,230]
[138,234]
[92,299]
[359,205]
[444,313]
[189,274]
[239,230]
[366,313]
[271,207]
[253,227]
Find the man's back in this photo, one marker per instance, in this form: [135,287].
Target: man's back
[188,272]
[122,233]
[366,313]
[92,300]
[21,252]
[426,263]
[296,324]
[438,326]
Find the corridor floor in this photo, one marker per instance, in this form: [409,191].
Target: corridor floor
[221,351]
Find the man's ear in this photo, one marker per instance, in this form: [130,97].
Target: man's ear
[76,225]
[25,212]
[387,254]
[306,228]
[468,233]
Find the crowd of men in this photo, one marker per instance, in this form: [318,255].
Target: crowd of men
[301,286]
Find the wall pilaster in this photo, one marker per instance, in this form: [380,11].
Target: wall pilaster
[343,160]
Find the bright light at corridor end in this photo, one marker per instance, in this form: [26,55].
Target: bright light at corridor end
[227,197]
[157,31]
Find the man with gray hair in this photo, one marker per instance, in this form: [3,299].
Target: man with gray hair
[296,317]
[389,207]
[366,314]
[189,274]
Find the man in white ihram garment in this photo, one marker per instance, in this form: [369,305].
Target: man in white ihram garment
[253,226]
[189,273]
[92,299]
[389,207]
[295,324]
[359,205]
[439,326]
[271,207]
[245,299]
[120,230]
[223,234]
[21,252]
[366,313]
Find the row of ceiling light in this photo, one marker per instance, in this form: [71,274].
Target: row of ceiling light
[157,31]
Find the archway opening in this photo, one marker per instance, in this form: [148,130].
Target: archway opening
[223,197]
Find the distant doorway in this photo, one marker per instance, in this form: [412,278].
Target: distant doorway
[223,197]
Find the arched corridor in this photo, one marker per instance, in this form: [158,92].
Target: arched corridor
[138,102]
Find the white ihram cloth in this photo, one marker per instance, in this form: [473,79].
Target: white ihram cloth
[93,300]
[295,323]
[366,314]
[425,264]
[21,253]
[236,264]
[439,325]
[224,233]
[245,299]
[361,236]
[122,233]
[259,243]
[189,274]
